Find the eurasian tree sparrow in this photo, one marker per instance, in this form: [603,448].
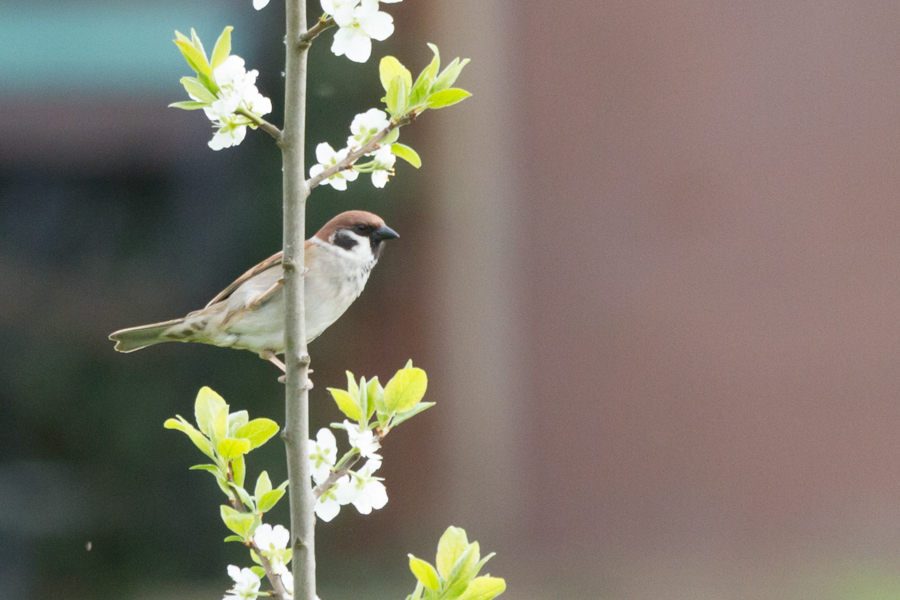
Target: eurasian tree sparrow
[249,313]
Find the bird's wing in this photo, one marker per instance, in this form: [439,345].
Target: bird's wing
[272,261]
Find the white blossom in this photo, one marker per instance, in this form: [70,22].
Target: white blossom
[272,542]
[363,440]
[261,4]
[227,134]
[365,126]
[329,504]
[246,584]
[322,455]
[360,22]
[287,580]
[327,158]
[384,166]
[237,90]
[370,492]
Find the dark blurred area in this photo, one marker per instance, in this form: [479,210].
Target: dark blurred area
[650,268]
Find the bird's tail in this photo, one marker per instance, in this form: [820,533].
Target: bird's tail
[135,338]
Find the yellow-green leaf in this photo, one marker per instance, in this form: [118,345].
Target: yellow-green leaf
[405,389]
[222,48]
[424,572]
[346,403]
[375,395]
[198,438]
[239,471]
[206,406]
[268,500]
[263,485]
[447,98]
[230,448]
[406,153]
[197,90]
[484,588]
[450,547]
[257,432]
[196,59]
[389,68]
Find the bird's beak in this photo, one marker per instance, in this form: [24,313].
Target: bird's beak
[384,233]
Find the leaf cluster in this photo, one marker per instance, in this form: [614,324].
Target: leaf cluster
[203,86]
[391,405]
[456,573]
[226,438]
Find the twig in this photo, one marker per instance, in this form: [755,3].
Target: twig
[262,124]
[341,471]
[306,39]
[273,577]
[355,155]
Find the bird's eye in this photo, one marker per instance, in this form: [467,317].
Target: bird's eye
[362,229]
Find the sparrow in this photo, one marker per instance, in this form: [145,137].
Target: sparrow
[249,313]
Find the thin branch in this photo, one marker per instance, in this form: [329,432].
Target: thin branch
[262,124]
[273,577]
[306,39]
[334,476]
[351,158]
[341,471]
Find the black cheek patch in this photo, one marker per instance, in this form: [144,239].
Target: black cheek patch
[342,240]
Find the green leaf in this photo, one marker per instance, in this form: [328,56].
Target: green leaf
[446,98]
[391,137]
[484,588]
[241,524]
[362,401]
[263,485]
[257,432]
[239,471]
[234,538]
[196,89]
[181,37]
[463,571]
[346,403]
[449,75]
[230,448]
[424,572]
[389,68]
[195,40]
[181,424]
[425,80]
[352,387]
[244,496]
[222,48]
[405,389]
[206,406]
[269,500]
[400,417]
[189,105]
[450,547]
[196,59]
[375,396]
[397,96]
[211,468]
[406,153]
[237,420]
[260,572]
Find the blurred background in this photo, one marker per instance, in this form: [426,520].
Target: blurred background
[651,268]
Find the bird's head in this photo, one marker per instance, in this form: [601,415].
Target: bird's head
[357,232]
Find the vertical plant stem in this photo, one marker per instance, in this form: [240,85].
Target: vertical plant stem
[296,358]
